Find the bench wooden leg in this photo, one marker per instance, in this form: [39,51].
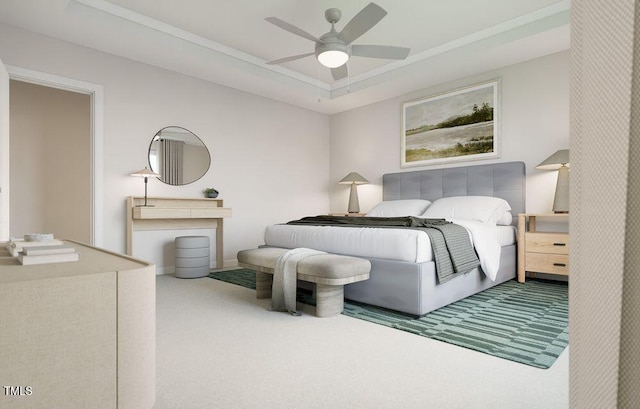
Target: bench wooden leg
[329,300]
[264,282]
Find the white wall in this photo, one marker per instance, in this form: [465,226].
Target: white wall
[535,123]
[270,161]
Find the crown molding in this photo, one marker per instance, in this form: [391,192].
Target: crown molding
[542,19]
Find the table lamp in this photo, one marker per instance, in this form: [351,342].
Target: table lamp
[559,161]
[354,179]
[145,173]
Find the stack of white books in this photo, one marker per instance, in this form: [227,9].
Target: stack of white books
[42,252]
[17,246]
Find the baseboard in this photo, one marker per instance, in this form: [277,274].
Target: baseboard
[172,269]
[230,263]
[165,270]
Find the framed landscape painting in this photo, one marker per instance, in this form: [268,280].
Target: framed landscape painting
[459,125]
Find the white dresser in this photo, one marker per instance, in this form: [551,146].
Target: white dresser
[78,334]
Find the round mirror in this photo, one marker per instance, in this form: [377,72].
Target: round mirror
[178,155]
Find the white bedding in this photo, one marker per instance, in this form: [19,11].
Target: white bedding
[387,243]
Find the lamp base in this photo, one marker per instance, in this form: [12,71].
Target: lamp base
[145,205]
[354,205]
[561,199]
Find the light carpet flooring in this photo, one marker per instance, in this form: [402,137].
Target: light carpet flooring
[219,347]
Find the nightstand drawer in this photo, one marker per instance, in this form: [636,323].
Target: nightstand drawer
[547,263]
[554,243]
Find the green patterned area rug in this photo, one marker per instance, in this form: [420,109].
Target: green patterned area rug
[526,323]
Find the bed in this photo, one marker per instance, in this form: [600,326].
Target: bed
[403,275]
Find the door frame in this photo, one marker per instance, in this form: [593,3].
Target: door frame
[96,95]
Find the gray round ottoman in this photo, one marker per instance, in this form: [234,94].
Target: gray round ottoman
[192,256]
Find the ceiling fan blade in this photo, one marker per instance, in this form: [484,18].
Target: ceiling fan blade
[340,72]
[287,59]
[380,51]
[362,22]
[291,28]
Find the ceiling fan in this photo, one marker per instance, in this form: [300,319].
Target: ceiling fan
[333,49]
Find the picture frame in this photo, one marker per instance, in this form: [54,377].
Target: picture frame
[455,126]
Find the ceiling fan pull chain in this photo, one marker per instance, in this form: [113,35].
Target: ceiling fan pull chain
[319,87]
[349,72]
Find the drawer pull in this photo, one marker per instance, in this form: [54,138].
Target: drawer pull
[560,244]
[559,264]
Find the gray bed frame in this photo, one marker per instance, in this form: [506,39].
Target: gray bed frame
[412,287]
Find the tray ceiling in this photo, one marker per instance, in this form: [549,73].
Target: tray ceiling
[228,42]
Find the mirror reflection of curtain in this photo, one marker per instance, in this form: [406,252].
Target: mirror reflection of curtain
[171,154]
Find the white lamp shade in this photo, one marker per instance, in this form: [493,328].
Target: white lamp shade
[555,161]
[354,177]
[145,173]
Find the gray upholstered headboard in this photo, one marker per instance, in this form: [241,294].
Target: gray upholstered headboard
[505,180]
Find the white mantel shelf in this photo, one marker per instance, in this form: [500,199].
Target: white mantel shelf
[166,213]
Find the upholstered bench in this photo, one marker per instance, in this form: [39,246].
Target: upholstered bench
[330,272]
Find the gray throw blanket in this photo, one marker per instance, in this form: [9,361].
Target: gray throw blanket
[285,274]
[452,249]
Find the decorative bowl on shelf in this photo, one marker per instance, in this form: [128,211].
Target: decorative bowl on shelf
[210,192]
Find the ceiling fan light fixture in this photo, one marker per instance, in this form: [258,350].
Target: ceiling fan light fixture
[333,58]
[334,49]
[332,55]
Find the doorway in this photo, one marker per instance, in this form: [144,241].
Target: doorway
[50,168]
[96,117]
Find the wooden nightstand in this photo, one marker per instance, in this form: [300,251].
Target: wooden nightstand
[542,252]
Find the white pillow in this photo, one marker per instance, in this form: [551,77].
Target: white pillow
[398,208]
[484,209]
[505,220]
